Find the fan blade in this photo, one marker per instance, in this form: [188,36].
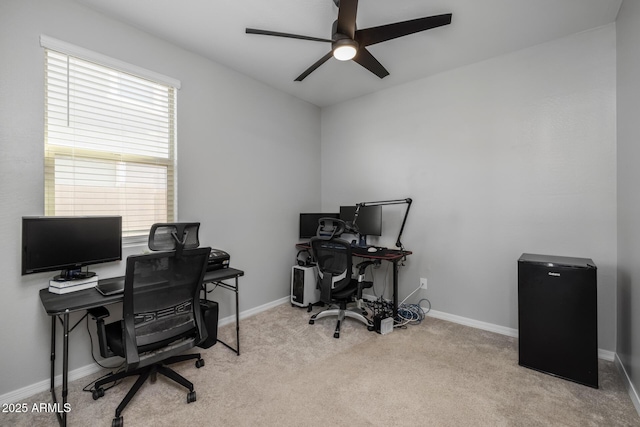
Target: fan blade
[347,17]
[367,60]
[373,35]
[287,35]
[314,66]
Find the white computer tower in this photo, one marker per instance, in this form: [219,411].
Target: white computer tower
[303,285]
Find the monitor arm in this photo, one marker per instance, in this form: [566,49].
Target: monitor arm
[406,201]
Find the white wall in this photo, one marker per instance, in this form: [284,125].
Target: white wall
[511,155]
[247,165]
[628,109]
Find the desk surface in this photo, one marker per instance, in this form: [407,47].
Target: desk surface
[56,304]
[386,255]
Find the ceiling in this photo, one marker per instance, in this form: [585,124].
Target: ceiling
[480,29]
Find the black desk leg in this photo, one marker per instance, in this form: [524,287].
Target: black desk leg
[60,414]
[65,365]
[234,289]
[237,320]
[52,388]
[237,349]
[395,289]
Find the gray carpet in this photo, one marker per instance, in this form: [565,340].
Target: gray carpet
[291,373]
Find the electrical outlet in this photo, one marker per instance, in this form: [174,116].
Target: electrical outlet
[423,283]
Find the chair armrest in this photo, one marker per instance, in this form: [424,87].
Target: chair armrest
[99,314]
[362,267]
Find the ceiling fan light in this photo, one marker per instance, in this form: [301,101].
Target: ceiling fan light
[345,49]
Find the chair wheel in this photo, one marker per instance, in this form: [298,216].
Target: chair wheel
[117,422]
[191,397]
[199,363]
[153,377]
[336,334]
[97,393]
[371,328]
[311,322]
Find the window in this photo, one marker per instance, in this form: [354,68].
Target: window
[109,142]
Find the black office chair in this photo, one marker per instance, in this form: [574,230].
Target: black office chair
[161,320]
[168,236]
[338,288]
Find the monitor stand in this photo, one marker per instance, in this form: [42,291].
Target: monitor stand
[70,275]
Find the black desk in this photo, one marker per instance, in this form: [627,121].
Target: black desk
[61,305]
[391,255]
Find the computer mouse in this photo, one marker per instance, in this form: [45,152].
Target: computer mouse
[372,249]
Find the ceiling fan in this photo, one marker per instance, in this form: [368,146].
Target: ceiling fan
[347,42]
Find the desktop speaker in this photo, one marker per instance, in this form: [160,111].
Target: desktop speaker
[303,285]
[209,311]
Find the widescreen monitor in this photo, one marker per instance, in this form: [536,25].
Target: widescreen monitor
[369,221]
[68,243]
[309,223]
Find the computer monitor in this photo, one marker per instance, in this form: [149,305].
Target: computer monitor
[309,223]
[69,243]
[369,221]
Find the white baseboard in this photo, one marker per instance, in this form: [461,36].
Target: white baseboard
[28,391]
[255,310]
[503,330]
[44,385]
[633,393]
[474,323]
[607,355]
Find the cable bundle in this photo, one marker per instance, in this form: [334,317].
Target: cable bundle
[411,313]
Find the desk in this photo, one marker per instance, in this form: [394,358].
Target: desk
[61,305]
[391,255]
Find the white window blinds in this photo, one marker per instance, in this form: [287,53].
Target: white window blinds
[109,143]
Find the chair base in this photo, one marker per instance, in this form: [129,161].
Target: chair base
[143,374]
[341,313]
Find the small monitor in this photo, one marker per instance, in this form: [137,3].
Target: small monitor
[309,223]
[369,221]
[51,243]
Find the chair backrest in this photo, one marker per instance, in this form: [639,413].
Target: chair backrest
[330,228]
[334,265]
[169,236]
[161,307]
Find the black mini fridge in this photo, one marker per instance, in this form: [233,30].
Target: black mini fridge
[557,317]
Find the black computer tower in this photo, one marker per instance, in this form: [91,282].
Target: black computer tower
[303,285]
[557,317]
[209,311]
